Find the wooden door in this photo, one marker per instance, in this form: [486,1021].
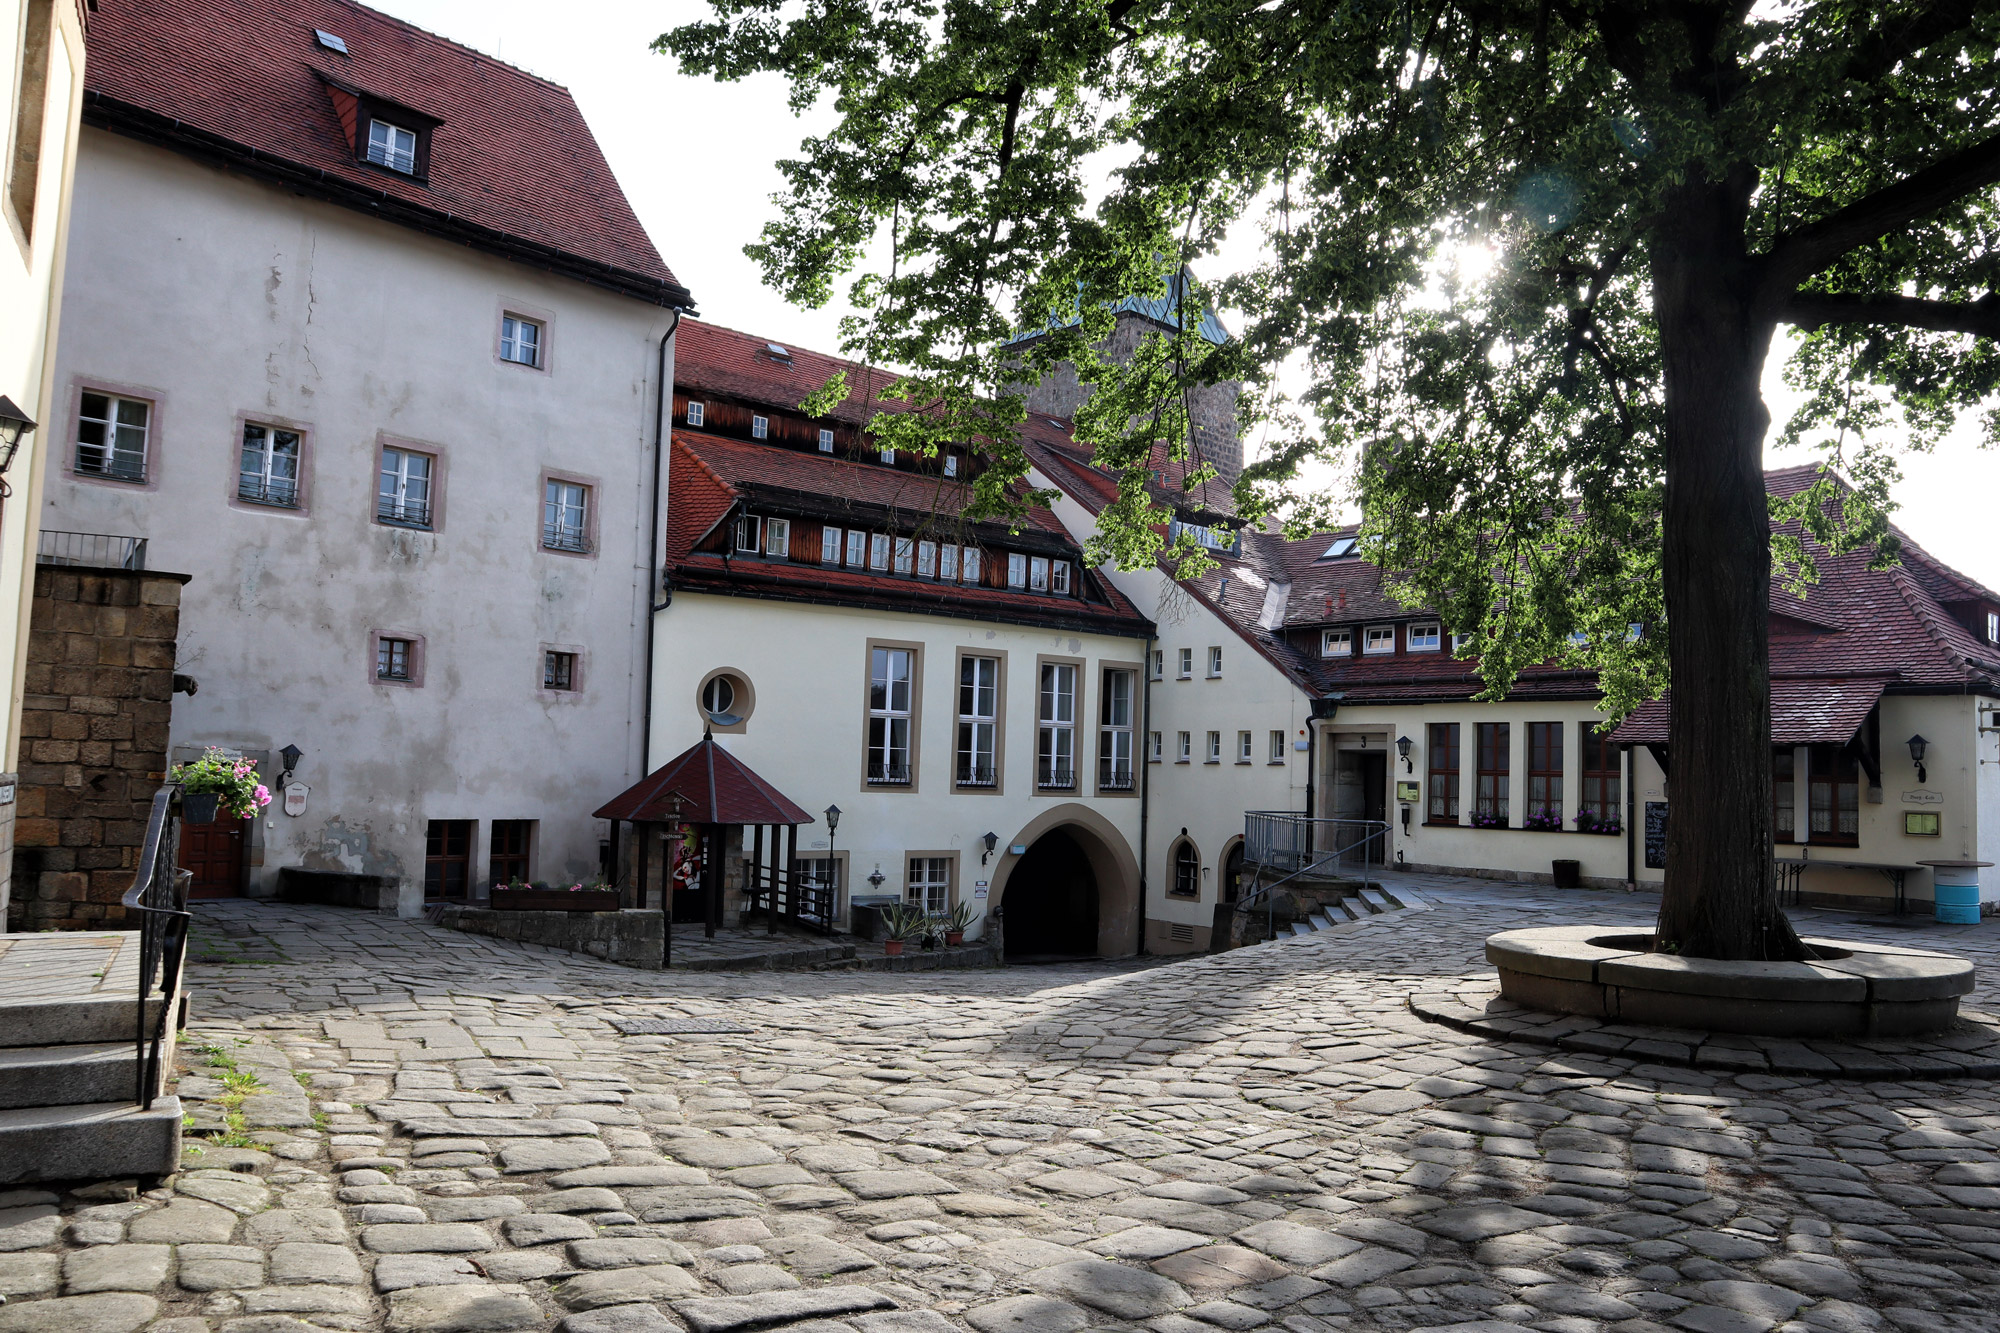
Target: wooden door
[214,852]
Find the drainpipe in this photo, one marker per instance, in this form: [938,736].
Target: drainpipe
[661,432]
[1145,780]
[1631,810]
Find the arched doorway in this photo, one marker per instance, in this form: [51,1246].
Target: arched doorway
[1073,891]
[1052,901]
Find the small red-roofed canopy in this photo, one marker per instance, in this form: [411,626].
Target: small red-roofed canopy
[715,787]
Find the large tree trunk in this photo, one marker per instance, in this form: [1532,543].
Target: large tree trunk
[1720,899]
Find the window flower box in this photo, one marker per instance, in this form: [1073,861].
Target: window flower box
[1488,819]
[554,900]
[1544,821]
[1589,821]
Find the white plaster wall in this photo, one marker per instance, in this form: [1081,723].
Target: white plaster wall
[1986,787]
[227,297]
[1514,850]
[1208,800]
[808,667]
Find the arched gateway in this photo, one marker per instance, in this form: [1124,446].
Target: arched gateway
[1073,893]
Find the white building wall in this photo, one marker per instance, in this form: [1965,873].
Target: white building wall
[221,298]
[1207,800]
[807,667]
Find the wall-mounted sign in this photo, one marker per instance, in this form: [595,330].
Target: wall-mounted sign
[1019,849]
[1923,796]
[1406,792]
[295,798]
[1920,823]
[7,794]
[979,889]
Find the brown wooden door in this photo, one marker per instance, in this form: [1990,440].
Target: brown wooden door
[214,852]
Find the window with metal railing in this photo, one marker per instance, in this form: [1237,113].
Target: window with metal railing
[565,515]
[1055,751]
[1115,735]
[112,436]
[268,472]
[978,721]
[403,489]
[890,716]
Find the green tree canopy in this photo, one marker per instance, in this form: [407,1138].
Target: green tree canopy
[1569,442]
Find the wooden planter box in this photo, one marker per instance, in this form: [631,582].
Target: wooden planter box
[554,900]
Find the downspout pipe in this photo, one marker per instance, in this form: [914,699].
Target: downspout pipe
[1145,761]
[661,431]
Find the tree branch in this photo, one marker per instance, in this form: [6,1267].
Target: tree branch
[1806,250]
[1812,310]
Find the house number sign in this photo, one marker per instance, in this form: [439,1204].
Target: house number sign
[295,798]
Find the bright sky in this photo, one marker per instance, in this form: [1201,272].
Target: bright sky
[697,159]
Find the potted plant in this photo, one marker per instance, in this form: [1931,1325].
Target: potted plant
[592,895]
[219,783]
[1488,819]
[955,923]
[1589,821]
[901,923]
[1544,821]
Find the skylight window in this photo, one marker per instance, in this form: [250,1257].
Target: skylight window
[779,350]
[1341,546]
[329,41]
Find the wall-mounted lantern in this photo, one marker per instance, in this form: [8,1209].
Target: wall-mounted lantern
[1403,744]
[15,426]
[991,840]
[1918,745]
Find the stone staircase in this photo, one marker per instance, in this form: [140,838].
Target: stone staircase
[69,1062]
[1353,907]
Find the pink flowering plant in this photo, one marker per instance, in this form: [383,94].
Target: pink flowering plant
[233,779]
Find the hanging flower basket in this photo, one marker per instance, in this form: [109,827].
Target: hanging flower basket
[198,807]
[218,782]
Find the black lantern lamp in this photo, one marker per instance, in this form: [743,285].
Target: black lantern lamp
[1918,745]
[15,426]
[991,840]
[290,755]
[1403,744]
[832,818]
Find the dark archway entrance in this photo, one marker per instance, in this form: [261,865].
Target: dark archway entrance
[1051,905]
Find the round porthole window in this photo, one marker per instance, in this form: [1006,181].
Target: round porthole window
[725,700]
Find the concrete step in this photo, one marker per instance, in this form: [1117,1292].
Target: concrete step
[1374,901]
[1405,899]
[1344,911]
[62,1021]
[71,1075]
[94,1141]
[1302,928]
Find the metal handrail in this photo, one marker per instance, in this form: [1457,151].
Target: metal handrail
[90,550]
[158,897]
[806,900]
[1376,829]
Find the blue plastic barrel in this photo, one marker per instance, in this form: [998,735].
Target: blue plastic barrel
[1956,892]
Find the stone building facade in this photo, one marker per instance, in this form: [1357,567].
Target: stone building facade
[100,683]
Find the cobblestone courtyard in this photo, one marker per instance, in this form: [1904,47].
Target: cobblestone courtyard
[462,1141]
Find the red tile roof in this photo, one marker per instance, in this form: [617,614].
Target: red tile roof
[244,84]
[1804,711]
[711,474]
[715,787]
[712,359]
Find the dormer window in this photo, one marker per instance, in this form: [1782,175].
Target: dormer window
[697,412]
[826,441]
[1425,637]
[760,428]
[951,465]
[392,146]
[1993,627]
[1336,643]
[1341,546]
[1381,639]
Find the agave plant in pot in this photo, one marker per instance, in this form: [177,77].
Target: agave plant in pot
[955,923]
[219,783]
[901,923]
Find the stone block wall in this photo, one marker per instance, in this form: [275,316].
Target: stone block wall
[99,696]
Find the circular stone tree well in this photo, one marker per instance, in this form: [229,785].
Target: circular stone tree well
[1849,990]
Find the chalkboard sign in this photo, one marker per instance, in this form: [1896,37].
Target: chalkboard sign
[1656,835]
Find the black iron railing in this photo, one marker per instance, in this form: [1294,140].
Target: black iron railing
[275,491]
[90,550]
[888,775]
[158,899]
[776,893]
[1055,777]
[555,538]
[973,775]
[1114,775]
[117,466]
[402,513]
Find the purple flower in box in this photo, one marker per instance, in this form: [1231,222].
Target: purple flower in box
[1488,819]
[1545,820]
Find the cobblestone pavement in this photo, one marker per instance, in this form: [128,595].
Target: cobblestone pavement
[461,1141]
